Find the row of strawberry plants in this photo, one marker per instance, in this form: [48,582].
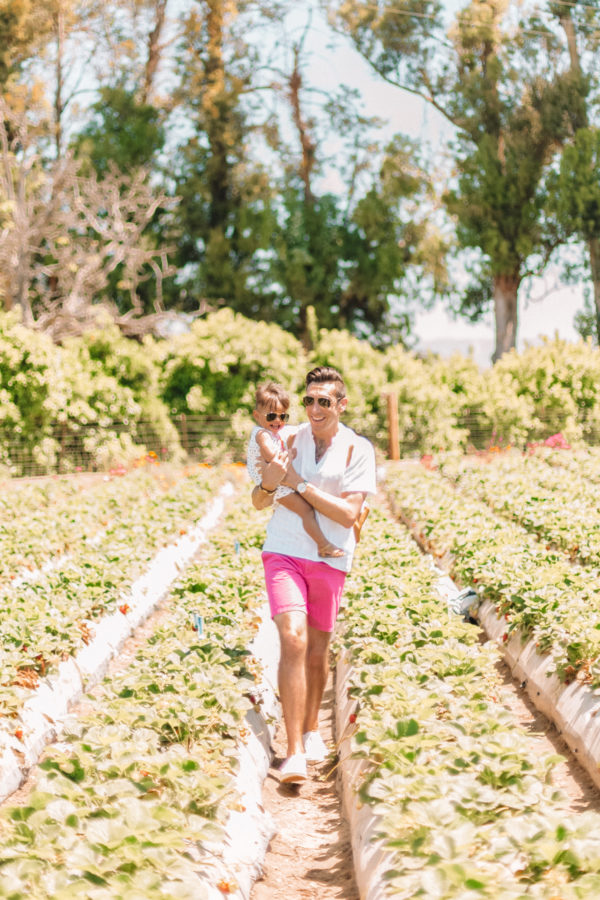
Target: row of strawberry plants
[54,516]
[584,463]
[553,502]
[51,616]
[133,803]
[465,803]
[536,588]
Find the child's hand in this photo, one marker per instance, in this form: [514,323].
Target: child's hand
[291,477]
[272,473]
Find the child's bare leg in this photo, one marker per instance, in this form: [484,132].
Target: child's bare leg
[298,505]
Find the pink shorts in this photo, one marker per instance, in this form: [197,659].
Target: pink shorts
[314,588]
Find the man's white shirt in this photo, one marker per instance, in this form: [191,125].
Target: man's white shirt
[334,475]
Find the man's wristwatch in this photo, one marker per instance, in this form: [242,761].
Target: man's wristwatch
[266,490]
[301,487]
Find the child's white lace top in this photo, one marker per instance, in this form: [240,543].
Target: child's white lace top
[253,455]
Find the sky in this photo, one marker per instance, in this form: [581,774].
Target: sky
[551,308]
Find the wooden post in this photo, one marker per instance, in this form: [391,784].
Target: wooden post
[184,434]
[393,430]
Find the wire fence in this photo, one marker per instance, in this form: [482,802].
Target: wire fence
[210,439]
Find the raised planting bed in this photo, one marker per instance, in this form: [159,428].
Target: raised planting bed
[554,502]
[81,647]
[543,610]
[435,768]
[153,790]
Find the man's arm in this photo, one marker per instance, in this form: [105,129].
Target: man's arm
[344,510]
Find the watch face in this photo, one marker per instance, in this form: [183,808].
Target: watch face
[302,487]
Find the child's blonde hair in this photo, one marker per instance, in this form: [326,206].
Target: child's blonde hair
[270,394]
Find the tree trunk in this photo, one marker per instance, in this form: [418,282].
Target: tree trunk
[154,50]
[215,101]
[58,93]
[567,23]
[307,144]
[594,251]
[506,288]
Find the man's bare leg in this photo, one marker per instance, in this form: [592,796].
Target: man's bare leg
[293,636]
[317,671]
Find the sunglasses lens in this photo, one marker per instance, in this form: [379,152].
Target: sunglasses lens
[270,417]
[325,402]
[284,417]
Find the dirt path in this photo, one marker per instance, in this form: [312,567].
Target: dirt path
[310,857]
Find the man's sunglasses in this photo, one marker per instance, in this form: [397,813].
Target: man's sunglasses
[270,417]
[322,401]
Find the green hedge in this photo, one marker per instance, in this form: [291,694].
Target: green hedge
[101,399]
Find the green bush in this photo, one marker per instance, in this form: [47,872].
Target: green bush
[213,370]
[136,367]
[62,406]
[362,368]
[428,408]
[560,382]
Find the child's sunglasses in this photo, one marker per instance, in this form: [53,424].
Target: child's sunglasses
[270,417]
[322,401]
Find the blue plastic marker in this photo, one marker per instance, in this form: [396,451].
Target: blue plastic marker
[198,622]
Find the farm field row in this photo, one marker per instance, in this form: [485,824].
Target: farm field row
[584,463]
[464,806]
[41,521]
[134,800]
[549,498]
[535,587]
[52,614]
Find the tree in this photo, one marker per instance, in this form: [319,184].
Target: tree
[574,189]
[499,82]
[344,254]
[348,257]
[21,22]
[224,215]
[124,132]
[62,235]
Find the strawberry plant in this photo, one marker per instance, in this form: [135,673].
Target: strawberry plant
[465,806]
[134,801]
[50,615]
[540,591]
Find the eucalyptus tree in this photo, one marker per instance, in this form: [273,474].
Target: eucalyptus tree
[348,225]
[499,79]
[224,215]
[574,186]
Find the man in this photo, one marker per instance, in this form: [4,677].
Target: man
[333,469]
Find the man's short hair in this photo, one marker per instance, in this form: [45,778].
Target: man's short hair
[327,375]
[271,394]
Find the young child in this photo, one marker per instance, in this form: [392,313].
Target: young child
[271,406]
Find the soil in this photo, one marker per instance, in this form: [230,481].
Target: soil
[310,857]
